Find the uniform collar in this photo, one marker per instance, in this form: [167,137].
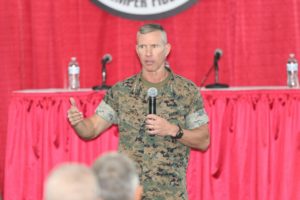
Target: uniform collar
[138,81]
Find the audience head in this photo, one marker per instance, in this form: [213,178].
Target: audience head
[70,181]
[117,177]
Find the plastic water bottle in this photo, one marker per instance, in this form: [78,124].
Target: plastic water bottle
[73,73]
[292,72]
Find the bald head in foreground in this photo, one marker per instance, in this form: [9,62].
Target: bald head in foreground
[71,181]
[117,177]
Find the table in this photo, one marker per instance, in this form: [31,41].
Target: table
[254,151]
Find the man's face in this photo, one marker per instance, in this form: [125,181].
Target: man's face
[152,51]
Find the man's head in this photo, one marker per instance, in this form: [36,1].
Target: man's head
[71,181]
[152,47]
[117,177]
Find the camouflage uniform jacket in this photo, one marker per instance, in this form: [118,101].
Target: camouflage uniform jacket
[162,161]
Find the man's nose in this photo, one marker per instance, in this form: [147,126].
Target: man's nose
[148,51]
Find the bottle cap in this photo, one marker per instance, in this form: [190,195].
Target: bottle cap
[292,55]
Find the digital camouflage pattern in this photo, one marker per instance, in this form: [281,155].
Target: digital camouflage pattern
[161,161]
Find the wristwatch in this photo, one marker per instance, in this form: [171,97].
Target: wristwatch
[179,133]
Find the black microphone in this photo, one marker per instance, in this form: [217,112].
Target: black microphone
[217,56]
[152,93]
[106,58]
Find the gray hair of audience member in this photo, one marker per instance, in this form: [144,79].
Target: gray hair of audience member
[117,176]
[71,181]
[148,28]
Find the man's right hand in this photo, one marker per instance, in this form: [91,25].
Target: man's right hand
[74,115]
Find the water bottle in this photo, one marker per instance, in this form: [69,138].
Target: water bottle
[292,72]
[73,73]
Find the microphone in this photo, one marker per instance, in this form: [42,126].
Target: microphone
[106,58]
[152,93]
[217,56]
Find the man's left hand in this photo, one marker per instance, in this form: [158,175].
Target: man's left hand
[156,125]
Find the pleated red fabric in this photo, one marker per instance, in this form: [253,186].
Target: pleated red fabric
[254,152]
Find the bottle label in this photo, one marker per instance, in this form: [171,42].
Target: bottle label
[74,69]
[292,66]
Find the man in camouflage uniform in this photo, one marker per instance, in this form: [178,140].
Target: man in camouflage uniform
[158,143]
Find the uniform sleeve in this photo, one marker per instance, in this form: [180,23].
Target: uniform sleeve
[107,109]
[197,115]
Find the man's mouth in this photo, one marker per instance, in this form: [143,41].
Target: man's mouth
[149,62]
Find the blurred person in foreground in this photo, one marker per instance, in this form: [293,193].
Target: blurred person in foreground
[117,177]
[71,181]
[159,143]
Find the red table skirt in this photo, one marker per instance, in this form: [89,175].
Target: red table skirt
[254,152]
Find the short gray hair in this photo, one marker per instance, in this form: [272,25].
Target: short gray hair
[71,181]
[117,176]
[148,28]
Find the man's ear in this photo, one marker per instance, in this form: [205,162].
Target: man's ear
[168,49]
[136,49]
[138,192]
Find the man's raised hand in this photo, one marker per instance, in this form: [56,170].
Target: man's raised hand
[74,115]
